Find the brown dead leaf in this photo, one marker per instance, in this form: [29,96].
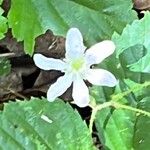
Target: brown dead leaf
[23,65]
[45,79]
[11,82]
[142,4]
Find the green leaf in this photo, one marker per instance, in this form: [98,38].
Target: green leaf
[132,55]
[135,34]
[5,67]
[3,23]
[41,125]
[143,65]
[142,127]
[137,91]
[95,19]
[116,128]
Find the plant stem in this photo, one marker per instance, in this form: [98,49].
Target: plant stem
[119,96]
[17,94]
[94,112]
[7,55]
[117,106]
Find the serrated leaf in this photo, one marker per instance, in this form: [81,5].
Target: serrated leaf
[135,34]
[41,125]
[4,66]
[95,19]
[142,127]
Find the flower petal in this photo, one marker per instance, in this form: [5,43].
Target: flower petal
[80,93]
[101,77]
[59,87]
[48,63]
[98,52]
[74,44]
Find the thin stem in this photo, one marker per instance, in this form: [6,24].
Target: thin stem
[14,92]
[117,106]
[8,55]
[93,115]
[119,96]
[17,94]
[94,112]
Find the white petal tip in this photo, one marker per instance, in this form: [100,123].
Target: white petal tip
[110,45]
[113,83]
[73,30]
[50,98]
[39,61]
[36,57]
[82,101]
[101,77]
[98,52]
[82,104]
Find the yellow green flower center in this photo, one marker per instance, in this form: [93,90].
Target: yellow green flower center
[77,64]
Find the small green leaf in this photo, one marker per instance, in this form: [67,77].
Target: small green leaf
[95,19]
[142,127]
[41,125]
[3,23]
[5,67]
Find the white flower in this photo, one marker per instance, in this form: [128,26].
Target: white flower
[76,67]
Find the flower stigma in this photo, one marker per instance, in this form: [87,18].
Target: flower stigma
[77,64]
